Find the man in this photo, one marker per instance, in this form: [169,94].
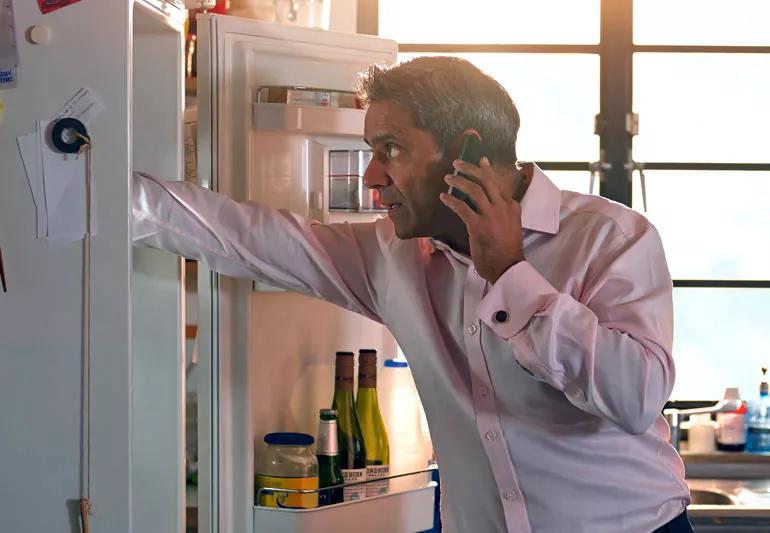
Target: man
[539,325]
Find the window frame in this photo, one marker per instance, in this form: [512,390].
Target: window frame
[616,50]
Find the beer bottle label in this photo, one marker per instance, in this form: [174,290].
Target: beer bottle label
[356,492]
[374,472]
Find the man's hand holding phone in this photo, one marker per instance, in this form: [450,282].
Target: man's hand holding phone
[493,219]
[470,153]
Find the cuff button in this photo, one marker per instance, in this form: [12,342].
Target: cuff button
[501,316]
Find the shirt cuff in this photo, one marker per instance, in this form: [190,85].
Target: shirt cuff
[514,298]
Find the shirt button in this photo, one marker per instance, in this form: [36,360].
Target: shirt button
[484,390]
[501,316]
[510,496]
[491,435]
[472,329]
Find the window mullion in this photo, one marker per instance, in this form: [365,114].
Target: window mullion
[616,52]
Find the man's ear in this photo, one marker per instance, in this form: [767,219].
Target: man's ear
[456,144]
[471,131]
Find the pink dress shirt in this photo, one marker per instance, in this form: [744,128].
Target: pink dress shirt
[543,391]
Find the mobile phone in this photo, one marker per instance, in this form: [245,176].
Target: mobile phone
[470,152]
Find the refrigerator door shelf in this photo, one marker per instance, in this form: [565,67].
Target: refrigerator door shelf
[308,120]
[398,512]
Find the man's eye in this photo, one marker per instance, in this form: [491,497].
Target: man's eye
[391,151]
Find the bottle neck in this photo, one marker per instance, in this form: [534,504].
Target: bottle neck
[327,438]
[367,377]
[343,378]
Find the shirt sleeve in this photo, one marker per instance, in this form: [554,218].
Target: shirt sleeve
[610,351]
[339,263]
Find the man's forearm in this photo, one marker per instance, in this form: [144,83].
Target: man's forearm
[610,356]
[253,241]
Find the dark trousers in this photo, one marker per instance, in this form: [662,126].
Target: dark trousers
[680,524]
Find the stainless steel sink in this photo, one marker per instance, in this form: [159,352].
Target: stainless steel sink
[730,493]
[729,505]
[710,497]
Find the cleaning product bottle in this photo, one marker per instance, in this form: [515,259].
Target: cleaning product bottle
[758,431]
[731,426]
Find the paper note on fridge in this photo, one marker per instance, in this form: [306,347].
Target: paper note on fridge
[31,159]
[9,54]
[84,106]
[64,184]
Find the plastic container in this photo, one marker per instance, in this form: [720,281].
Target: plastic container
[410,444]
[731,426]
[701,435]
[286,463]
[758,421]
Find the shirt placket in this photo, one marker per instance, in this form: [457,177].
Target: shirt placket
[485,408]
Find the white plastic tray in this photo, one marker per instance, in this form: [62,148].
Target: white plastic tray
[406,511]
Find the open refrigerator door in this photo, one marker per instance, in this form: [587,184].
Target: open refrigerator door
[278,124]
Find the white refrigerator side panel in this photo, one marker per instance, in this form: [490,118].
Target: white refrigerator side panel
[157,373]
[40,316]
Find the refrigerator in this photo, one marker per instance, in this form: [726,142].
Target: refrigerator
[96,371]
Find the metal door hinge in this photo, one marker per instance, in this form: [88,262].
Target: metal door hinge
[598,168]
[634,166]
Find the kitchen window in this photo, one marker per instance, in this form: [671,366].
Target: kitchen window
[673,89]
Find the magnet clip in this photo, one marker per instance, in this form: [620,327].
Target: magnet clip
[72,144]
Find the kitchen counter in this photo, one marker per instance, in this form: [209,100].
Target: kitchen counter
[730,491]
[726,465]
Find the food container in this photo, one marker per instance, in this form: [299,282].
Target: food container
[287,463]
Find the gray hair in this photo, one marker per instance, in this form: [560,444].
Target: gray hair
[447,95]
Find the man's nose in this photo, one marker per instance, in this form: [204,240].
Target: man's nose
[375,175]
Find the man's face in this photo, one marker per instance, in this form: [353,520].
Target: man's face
[407,169]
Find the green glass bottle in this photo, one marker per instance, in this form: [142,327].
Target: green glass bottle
[327,453]
[351,442]
[372,425]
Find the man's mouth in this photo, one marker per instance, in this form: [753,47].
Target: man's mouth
[392,206]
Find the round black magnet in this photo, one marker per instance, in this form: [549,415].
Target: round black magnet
[68,146]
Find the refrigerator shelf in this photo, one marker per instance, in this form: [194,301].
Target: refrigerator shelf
[409,507]
[310,120]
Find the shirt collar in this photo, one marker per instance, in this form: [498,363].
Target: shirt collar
[541,204]
[436,245]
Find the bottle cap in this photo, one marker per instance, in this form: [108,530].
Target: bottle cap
[328,414]
[345,359]
[367,357]
[732,393]
[289,439]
